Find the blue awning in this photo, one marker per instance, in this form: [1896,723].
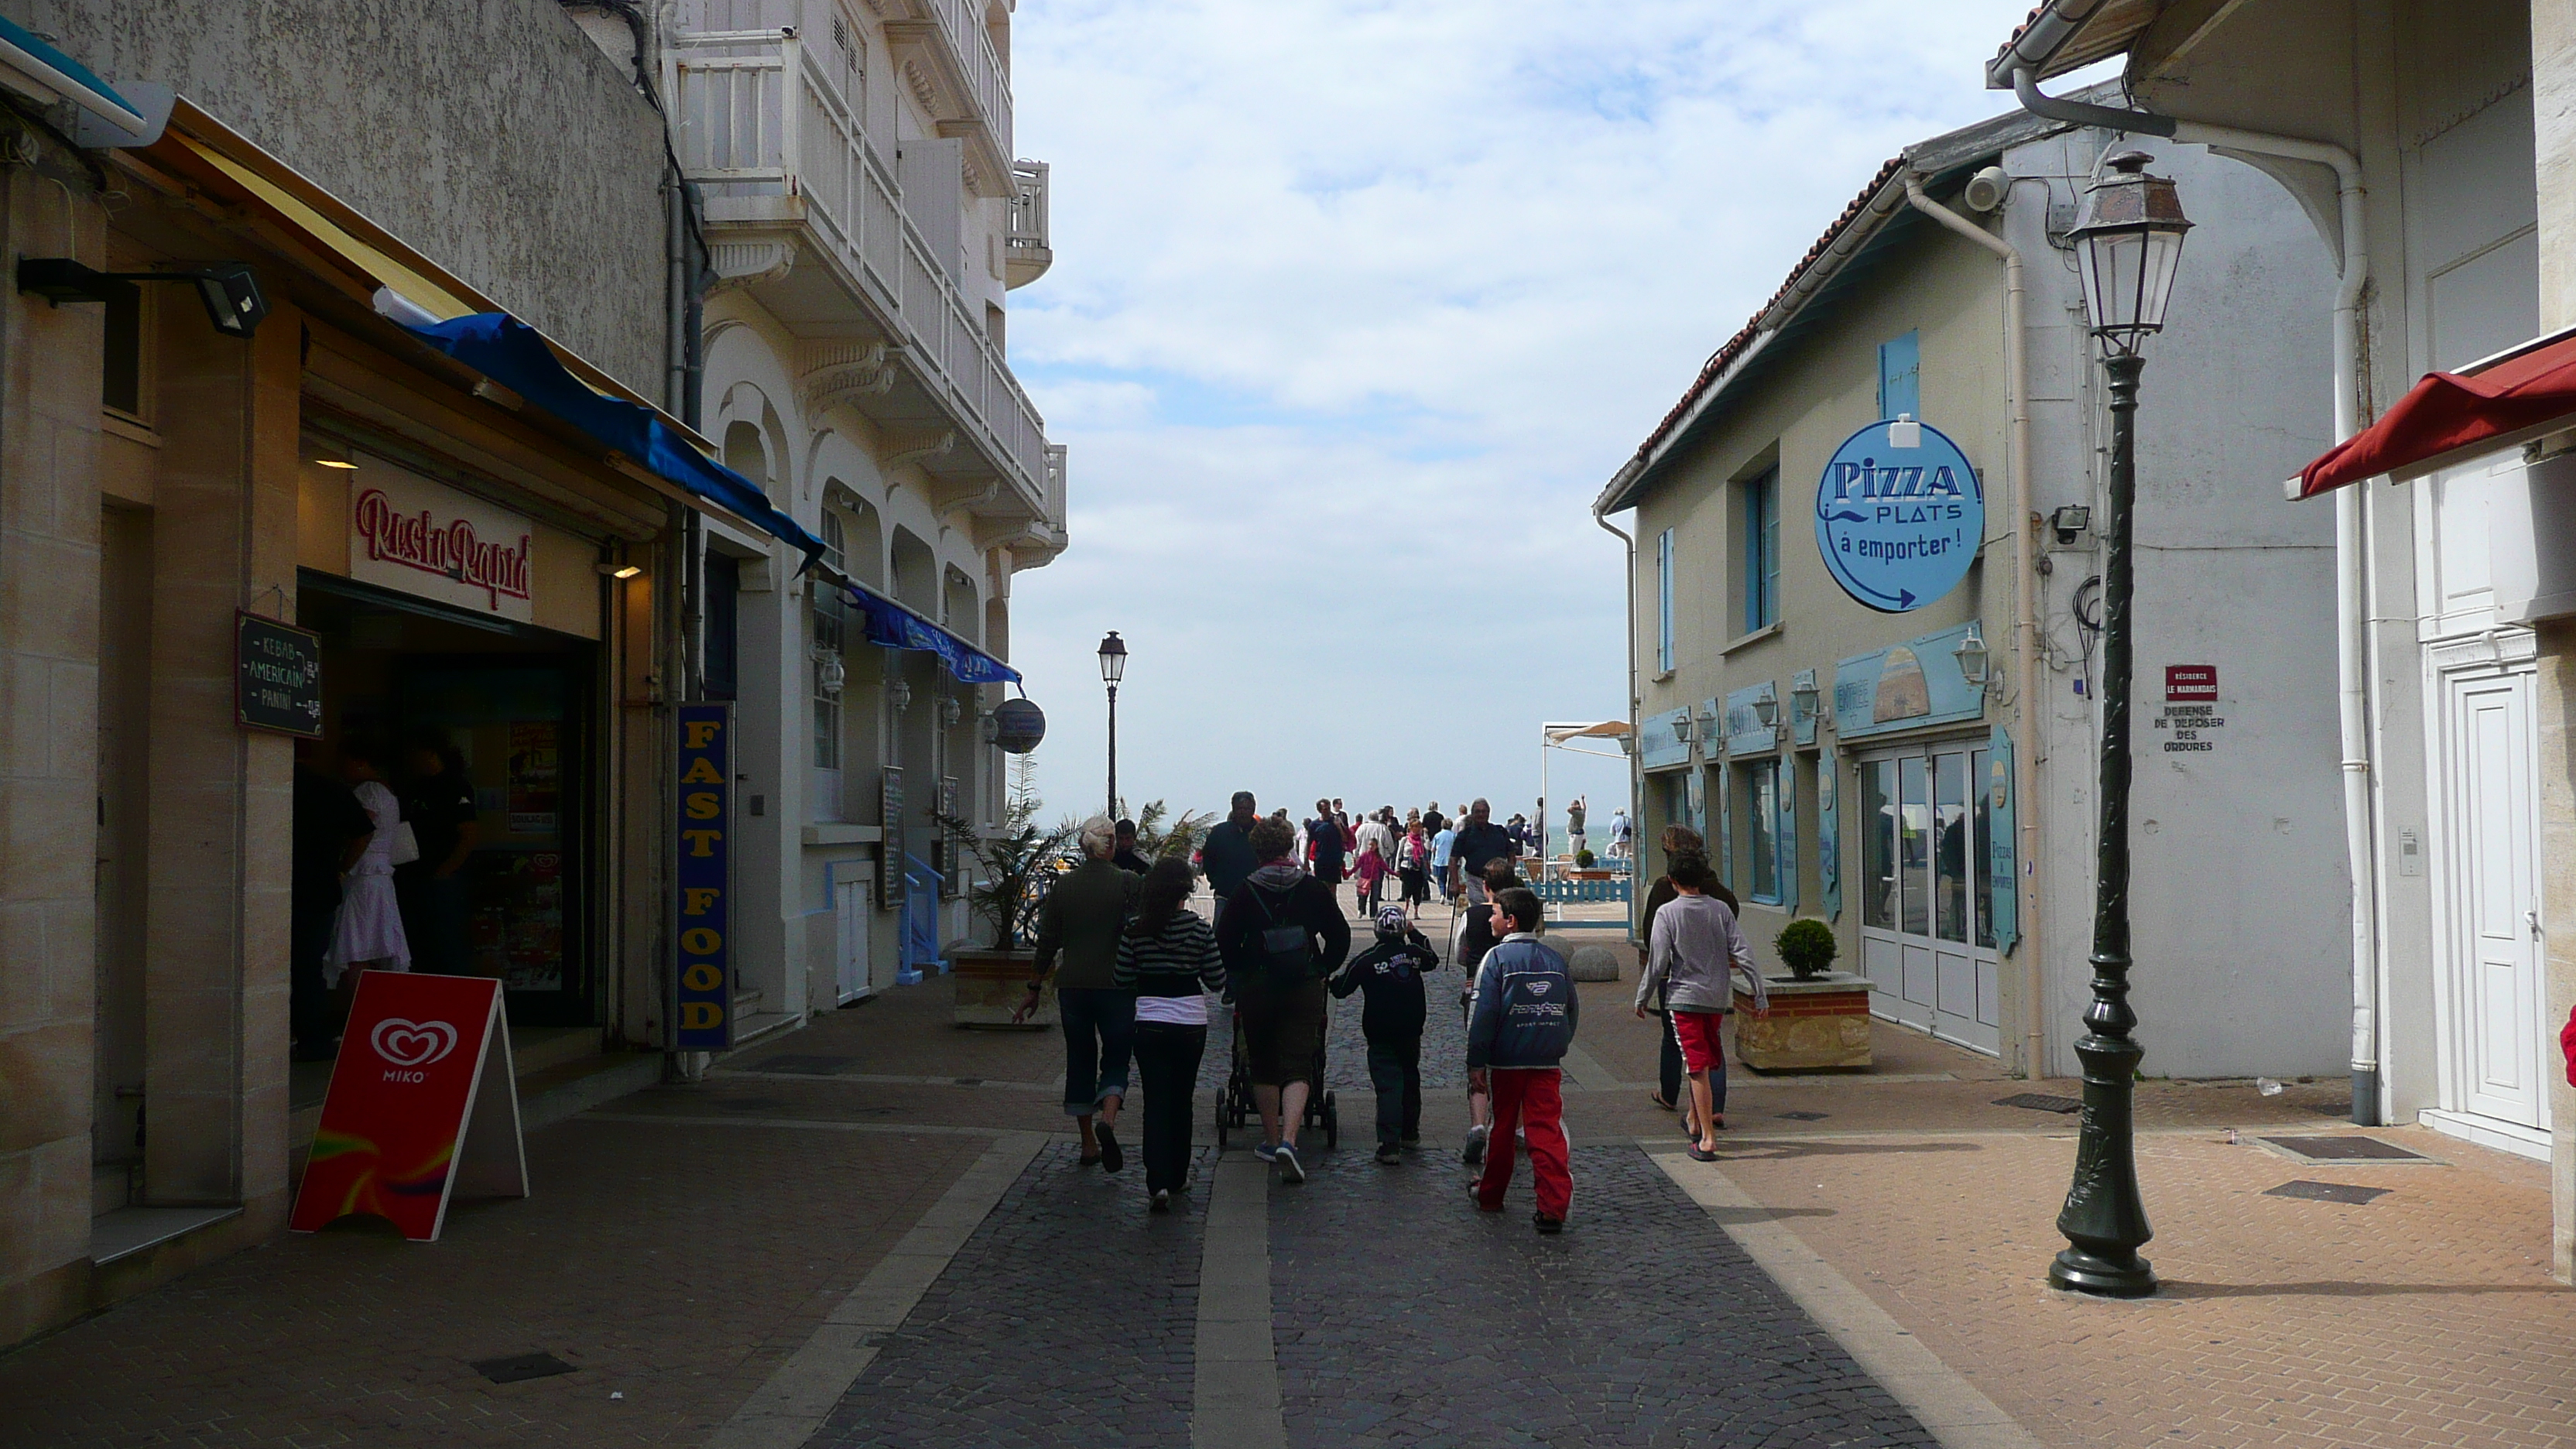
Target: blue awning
[73,81]
[897,627]
[515,355]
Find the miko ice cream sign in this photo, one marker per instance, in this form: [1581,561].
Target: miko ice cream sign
[1900,514]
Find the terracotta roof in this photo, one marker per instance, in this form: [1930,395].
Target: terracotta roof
[1735,346]
[2082,32]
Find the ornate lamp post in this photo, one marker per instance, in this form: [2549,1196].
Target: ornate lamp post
[2129,246]
[1113,667]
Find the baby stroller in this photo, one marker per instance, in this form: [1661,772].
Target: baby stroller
[1235,1107]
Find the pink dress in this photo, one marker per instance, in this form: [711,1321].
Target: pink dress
[370,928]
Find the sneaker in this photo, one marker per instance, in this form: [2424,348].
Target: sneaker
[1476,1195]
[1389,1152]
[1290,1169]
[1266,1151]
[1547,1225]
[1162,1200]
[1412,1139]
[1111,1159]
[1473,1154]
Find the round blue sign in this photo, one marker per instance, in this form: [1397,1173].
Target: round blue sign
[1899,515]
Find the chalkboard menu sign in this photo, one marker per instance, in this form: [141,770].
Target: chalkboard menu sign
[890,880]
[277,677]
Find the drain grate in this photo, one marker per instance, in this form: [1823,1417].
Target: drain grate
[802,1066]
[2345,1149]
[1804,1116]
[519,1366]
[2342,1192]
[2040,1102]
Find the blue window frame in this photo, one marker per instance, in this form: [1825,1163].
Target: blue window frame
[1664,602]
[1900,376]
[1761,552]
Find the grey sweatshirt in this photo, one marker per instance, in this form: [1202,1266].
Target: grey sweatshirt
[1691,953]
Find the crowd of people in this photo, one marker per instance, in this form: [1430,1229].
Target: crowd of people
[1135,967]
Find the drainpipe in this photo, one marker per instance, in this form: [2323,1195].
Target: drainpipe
[2025,615]
[1636,795]
[2355,653]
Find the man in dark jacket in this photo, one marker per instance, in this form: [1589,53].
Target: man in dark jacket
[1226,855]
[1526,1014]
[1480,841]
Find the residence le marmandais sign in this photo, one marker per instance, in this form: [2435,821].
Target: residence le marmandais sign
[420,537]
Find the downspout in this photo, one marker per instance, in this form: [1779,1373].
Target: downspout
[1636,794]
[2025,615]
[2353,650]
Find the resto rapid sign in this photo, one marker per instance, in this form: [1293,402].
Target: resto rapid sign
[1900,514]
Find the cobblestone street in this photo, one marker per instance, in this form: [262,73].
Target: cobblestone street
[876,1232]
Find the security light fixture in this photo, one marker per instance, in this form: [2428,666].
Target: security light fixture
[230,293]
[950,712]
[622,571]
[2128,247]
[2070,521]
[341,463]
[1973,658]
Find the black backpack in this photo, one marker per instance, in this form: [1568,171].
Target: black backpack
[1284,949]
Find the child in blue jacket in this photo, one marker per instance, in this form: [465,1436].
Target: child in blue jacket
[1526,1013]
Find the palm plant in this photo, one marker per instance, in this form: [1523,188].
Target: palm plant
[1017,860]
[1156,840]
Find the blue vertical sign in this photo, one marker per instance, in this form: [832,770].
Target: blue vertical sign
[1829,836]
[2003,877]
[702,904]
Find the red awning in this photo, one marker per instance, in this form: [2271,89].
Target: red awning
[2449,418]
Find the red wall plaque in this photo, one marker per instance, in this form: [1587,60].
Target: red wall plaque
[2191,684]
[422,1102]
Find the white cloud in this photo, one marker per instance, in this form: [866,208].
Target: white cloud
[1355,307]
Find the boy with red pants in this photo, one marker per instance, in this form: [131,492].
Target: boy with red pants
[1526,1012]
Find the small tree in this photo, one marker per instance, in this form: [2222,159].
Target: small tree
[1156,840]
[1016,859]
[1807,947]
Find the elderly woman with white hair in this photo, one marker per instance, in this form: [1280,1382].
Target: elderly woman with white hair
[1079,923]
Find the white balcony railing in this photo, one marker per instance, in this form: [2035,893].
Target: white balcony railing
[1026,250]
[754,116]
[986,77]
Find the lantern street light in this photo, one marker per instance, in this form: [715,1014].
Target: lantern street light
[1113,667]
[2129,244]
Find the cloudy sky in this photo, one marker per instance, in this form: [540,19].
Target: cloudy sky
[1356,305]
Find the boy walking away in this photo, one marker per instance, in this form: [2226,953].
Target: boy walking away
[1477,933]
[1526,1014]
[1391,1015]
[1691,957]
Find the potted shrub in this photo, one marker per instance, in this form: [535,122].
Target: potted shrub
[1583,859]
[1014,865]
[1807,947]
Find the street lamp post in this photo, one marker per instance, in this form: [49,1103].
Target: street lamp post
[2129,245]
[1113,667]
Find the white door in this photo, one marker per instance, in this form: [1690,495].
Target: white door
[2495,997]
[1926,943]
[850,913]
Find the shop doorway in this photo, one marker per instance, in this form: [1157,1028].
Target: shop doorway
[516,705]
[1927,945]
[2494,1034]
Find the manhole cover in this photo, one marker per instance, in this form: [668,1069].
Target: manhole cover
[2342,1192]
[802,1066]
[2345,1149]
[520,1366]
[1804,1116]
[2040,1102]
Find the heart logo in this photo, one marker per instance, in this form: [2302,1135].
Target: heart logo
[412,1043]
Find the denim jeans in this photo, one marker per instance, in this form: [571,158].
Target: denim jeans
[1395,1071]
[1167,1057]
[1099,1034]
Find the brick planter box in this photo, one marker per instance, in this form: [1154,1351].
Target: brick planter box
[1813,1024]
[992,984]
